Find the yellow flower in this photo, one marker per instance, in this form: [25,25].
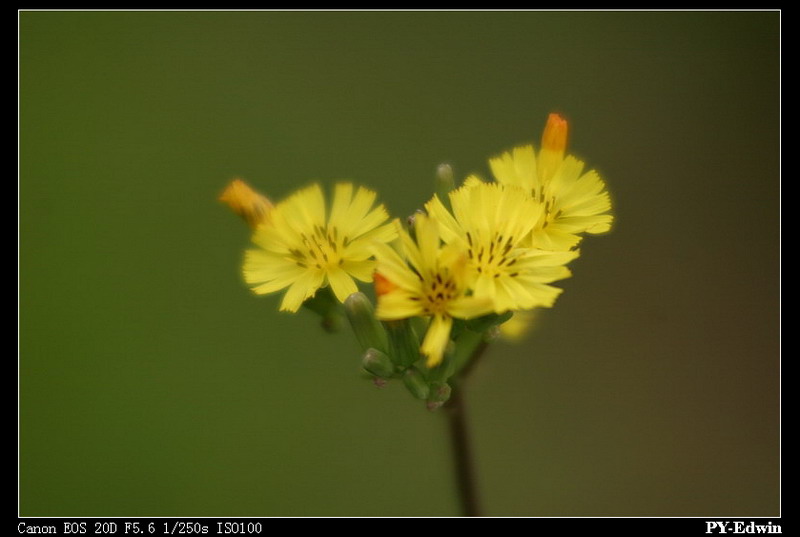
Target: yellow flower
[490,223]
[246,202]
[428,280]
[301,250]
[574,202]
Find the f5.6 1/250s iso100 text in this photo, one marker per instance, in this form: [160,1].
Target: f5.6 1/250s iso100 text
[162,527]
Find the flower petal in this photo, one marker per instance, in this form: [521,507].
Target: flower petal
[436,339]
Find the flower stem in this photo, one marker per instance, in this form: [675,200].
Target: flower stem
[460,442]
[462,453]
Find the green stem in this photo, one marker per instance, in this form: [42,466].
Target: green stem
[459,439]
[460,442]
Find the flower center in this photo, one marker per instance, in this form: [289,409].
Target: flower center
[440,290]
[321,249]
[491,257]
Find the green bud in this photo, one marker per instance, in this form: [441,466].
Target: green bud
[415,383]
[379,382]
[332,323]
[479,324]
[439,394]
[403,342]
[377,363]
[411,223]
[368,330]
[324,304]
[444,183]
[491,333]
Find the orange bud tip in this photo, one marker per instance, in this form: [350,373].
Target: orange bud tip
[246,202]
[382,285]
[554,137]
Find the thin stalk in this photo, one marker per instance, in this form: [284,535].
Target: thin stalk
[460,443]
[462,456]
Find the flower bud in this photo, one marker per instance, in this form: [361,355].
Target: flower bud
[415,383]
[439,394]
[377,363]
[253,207]
[411,223]
[491,334]
[403,341]
[554,137]
[554,145]
[324,304]
[332,323]
[445,183]
[379,382]
[368,330]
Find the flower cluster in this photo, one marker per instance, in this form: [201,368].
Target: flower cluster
[476,255]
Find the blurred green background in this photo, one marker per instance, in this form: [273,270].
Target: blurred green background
[152,382]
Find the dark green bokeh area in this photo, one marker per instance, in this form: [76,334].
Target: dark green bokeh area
[152,382]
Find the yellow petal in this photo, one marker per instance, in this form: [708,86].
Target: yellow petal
[525,165]
[396,305]
[394,269]
[303,210]
[342,284]
[410,249]
[448,227]
[436,339]
[427,231]
[360,270]
[342,194]
[472,181]
[260,267]
[469,307]
[304,287]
